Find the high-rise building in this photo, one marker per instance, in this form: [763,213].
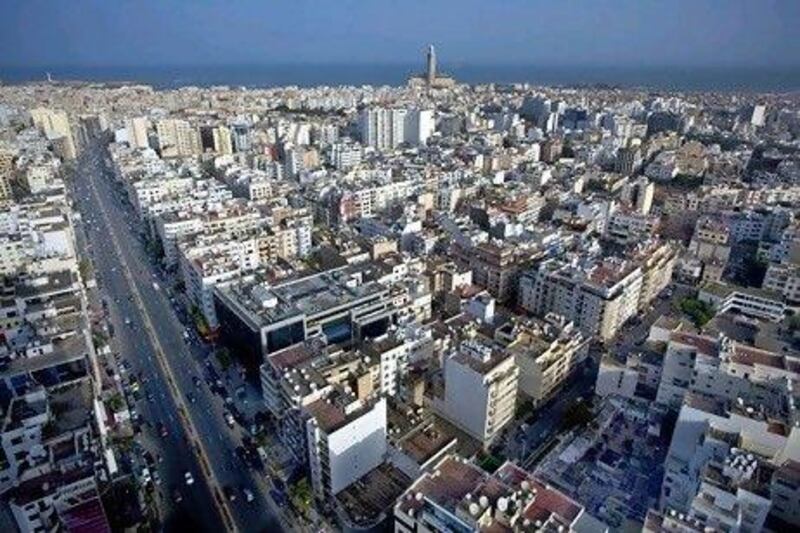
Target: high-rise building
[431,71]
[487,375]
[222,140]
[137,132]
[177,138]
[346,440]
[382,128]
[56,126]
[628,161]
[241,136]
[419,126]
[638,194]
[6,170]
[757,118]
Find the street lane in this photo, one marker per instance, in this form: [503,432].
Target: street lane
[206,410]
[196,508]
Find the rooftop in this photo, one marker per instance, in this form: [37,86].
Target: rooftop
[266,304]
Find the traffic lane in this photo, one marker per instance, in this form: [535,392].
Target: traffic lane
[175,453]
[206,410]
[138,355]
[153,405]
[157,305]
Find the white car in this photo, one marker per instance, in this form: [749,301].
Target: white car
[248,495]
[188,477]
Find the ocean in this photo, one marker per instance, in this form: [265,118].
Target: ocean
[744,79]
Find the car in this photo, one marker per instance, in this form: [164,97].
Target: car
[146,478]
[229,420]
[191,397]
[176,496]
[248,495]
[187,476]
[162,429]
[229,493]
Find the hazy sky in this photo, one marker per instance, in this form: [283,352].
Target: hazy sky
[557,32]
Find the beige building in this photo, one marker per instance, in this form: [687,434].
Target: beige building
[137,132]
[658,263]
[598,298]
[178,138]
[546,359]
[56,126]
[222,140]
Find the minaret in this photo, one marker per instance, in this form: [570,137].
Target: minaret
[431,75]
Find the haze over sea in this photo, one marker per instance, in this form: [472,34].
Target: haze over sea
[750,79]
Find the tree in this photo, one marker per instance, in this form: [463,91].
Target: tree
[85,269]
[699,312]
[300,494]
[224,357]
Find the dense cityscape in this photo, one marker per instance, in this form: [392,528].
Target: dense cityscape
[425,308]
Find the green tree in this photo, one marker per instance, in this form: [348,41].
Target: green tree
[699,312]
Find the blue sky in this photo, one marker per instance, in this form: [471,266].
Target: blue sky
[562,32]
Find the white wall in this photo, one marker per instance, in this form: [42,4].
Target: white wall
[357,447]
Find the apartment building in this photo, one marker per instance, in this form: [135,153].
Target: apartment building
[346,440]
[178,138]
[784,279]
[758,303]
[457,495]
[722,368]
[546,355]
[597,297]
[489,375]
[721,466]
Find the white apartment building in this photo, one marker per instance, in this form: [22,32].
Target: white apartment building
[345,156]
[630,227]
[346,440]
[387,128]
[759,303]
[722,368]
[206,262]
[489,377]
[716,465]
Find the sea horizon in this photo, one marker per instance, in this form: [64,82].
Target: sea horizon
[667,78]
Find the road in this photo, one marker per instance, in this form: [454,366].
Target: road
[153,343]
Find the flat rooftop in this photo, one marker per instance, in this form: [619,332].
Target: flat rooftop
[372,497]
[266,304]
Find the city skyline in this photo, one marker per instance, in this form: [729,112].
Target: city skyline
[621,34]
[364,266]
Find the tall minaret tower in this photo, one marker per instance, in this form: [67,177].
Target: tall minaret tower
[431,74]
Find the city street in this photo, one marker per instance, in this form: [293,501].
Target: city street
[150,337]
